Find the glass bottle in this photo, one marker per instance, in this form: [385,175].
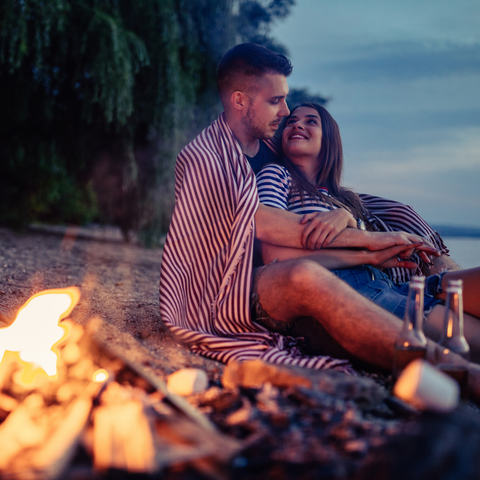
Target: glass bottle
[411,342]
[452,340]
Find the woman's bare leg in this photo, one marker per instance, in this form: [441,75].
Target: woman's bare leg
[471,288]
[471,326]
[298,288]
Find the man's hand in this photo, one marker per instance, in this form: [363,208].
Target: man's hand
[323,227]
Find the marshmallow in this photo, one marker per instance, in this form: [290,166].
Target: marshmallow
[187,381]
[427,388]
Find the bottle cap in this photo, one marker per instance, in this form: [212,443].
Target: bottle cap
[417,281]
[454,286]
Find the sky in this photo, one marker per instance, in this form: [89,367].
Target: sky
[403,79]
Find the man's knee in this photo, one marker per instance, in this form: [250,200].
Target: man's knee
[306,274]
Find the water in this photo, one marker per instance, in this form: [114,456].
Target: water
[464,250]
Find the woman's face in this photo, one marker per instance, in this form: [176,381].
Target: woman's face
[302,137]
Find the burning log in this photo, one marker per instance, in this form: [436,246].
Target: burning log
[123,437]
[50,461]
[118,410]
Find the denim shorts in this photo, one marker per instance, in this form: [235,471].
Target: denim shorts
[375,285]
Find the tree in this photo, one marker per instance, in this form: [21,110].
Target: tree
[296,96]
[98,96]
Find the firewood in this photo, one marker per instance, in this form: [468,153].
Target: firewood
[123,439]
[7,403]
[53,457]
[103,333]
[25,427]
[181,430]
[177,401]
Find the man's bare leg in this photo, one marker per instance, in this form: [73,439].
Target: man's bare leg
[297,288]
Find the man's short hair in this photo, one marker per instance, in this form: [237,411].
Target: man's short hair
[246,62]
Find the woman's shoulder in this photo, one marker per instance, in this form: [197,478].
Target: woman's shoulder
[273,169]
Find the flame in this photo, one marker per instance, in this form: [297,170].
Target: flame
[36,330]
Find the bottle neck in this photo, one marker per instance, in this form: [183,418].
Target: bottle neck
[453,323]
[452,338]
[413,319]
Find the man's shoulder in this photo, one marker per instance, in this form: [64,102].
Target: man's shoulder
[202,147]
[200,142]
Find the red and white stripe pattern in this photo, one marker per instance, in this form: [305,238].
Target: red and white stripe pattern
[206,272]
[390,216]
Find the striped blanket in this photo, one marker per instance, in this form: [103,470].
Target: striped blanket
[390,216]
[206,270]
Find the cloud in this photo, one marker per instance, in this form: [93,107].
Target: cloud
[400,132]
[407,61]
[439,180]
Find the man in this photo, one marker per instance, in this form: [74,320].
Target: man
[206,284]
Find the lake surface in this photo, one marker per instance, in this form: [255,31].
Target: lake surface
[464,250]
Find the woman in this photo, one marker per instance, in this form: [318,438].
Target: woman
[308,181]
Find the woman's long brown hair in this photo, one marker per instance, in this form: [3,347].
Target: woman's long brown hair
[330,168]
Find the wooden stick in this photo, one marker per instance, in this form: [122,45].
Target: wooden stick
[177,401]
[103,332]
[56,453]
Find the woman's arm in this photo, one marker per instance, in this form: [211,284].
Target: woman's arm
[276,226]
[334,258]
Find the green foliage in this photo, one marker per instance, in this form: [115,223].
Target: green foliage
[98,96]
[296,96]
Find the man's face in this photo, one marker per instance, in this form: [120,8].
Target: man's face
[267,108]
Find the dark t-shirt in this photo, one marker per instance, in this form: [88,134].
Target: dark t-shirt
[263,156]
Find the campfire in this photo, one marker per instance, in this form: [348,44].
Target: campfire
[69,406]
[74,406]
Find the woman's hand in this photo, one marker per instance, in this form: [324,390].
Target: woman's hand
[322,227]
[392,257]
[416,244]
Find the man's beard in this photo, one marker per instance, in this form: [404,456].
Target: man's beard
[254,130]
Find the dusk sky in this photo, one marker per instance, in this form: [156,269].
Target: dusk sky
[404,82]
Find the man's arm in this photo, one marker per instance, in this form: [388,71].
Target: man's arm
[279,227]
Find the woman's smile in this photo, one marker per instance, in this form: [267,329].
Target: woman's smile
[302,136]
